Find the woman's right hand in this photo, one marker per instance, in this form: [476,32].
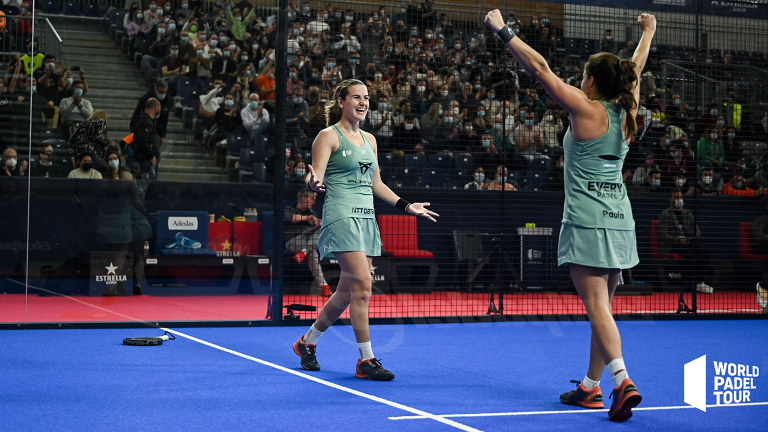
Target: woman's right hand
[647,22]
[313,183]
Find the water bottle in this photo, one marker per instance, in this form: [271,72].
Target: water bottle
[251,215]
[146,248]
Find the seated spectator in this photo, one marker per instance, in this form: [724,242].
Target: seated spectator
[302,229]
[266,83]
[85,169]
[255,118]
[380,119]
[199,68]
[445,132]
[430,121]
[653,182]
[704,186]
[157,51]
[674,162]
[706,120]
[500,181]
[640,175]
[680,180]
[710,148]
[478,180]
[296,172]
[297,115]
[738,187]
[11,167]
[678,234]
[406,137]
[137,32]
[225,67]
[228,121]
[46,165]
[731,147]
[555,179]
[49,78]
[607,44]
[528,137]
[552,126]
[114,169]
[469,137]
[74,110]
[486,155]
[173,67]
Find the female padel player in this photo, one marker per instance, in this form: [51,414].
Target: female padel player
[597,237]
[345,167]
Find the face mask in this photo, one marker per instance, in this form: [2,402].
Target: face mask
[232,47]
[31,89]
[337,15]
[743,166]
[375,17]
[160,96]
[444,93]
[481,113]
[491,96]
[11,163]
[455,111]
[706,180]
[709,60]
[713,112]
[348,18]
[679,182]
[293,75]
[410,45]
[667,141]
[678,203]
[528,122]
[479,177]
[468,128]
[330,65]
[486,143]
[225,53]
[167,8]
[78,92]
[382,105]
[161,31]
[737,185]
[500,179]
[673,154]
[244,58]
[86,166]
[114,164]
[300,172]
[184,39]
[139,16]
[655,182]
[457,46]
[449,119]
[731,135]
[549,118]
[214,42]
[720,123]
[200,53]
[255,46]
[516,30]
[685,144]
[175,52]
[253,104]
[420,88]
[713,136]
[184,6]
[534,22]
[69,81]
[315,76]
[676,102]
[201,38]
[497,126]
[238,18]
[408,126]
[193,29]
[171,27]
[229,102]
[152,7]
[649,162]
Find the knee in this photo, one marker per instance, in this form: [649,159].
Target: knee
[363,287]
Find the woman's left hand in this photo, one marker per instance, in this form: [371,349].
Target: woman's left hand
[494,20]
[419,209]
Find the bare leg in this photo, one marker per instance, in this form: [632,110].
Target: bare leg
[354,290]
[596,287]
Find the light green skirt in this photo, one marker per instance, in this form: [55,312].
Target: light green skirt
[597,247]
[350,235]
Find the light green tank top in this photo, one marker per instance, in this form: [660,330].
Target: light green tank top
[595,196]
[348,181]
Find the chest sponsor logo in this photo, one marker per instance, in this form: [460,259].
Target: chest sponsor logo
[606,189]
[364,167]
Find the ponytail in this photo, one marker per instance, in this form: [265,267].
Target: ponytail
[626,97]
[615,80]
[332,108]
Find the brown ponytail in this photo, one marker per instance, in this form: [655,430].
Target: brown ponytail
[332,108]
[615,80]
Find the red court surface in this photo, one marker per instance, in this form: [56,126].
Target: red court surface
[255,307]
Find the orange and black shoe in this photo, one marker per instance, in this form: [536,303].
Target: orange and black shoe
[307,353]
[372,370]
[625,397]
[582,397]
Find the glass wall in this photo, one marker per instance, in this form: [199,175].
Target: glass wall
[153,165]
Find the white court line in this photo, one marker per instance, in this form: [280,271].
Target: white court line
[574,411]
[421,414]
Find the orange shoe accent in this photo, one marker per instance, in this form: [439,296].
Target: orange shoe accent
[326,291]
[590,396]
[299,257]
[625,397]
[296,345]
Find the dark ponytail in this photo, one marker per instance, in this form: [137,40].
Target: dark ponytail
[615,80]
[332,108]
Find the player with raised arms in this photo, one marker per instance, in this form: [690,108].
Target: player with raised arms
[345,167]
[597,237]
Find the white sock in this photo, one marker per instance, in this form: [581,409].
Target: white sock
[618,371]
[589,384]
[366,352]
[312,336]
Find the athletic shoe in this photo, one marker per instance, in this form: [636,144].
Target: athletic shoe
[299,257]
[307,353]
[704,288]
[326,291]
[183,242]
[583,397]
[372,370]
[762,296]
[626,398]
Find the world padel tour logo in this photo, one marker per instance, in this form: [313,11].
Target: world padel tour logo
[732,383]
[111,278]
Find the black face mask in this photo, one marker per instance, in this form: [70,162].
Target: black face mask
[87,166]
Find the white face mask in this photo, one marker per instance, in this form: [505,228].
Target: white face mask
[11,163]
[114,164]
[679,203]
[549,118]
[713,136]
[479,177]
[449,119]
[679,182]
[731,135]
[408,126]
[706,180]
[444,93]
[497,126]
[421,88]
[655,182]
[300,171]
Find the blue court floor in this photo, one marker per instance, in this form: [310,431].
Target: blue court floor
[487,377]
